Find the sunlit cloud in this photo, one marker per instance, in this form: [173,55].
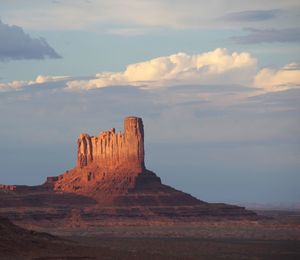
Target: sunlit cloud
[215,67]
[228,70]
[218,67]
[276,80]
[20,84]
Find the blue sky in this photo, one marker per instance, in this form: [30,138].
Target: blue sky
[217,85]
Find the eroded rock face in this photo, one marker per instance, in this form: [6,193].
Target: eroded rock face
[111,150]
[109,162]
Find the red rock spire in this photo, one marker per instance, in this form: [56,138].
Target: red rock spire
[111,150]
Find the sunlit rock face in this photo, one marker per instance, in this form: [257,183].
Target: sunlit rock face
[111,150]
[109,163]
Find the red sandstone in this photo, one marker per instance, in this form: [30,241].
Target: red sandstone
[109,184]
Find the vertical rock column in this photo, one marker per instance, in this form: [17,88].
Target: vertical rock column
[134,142]
[85,150]
[111,150]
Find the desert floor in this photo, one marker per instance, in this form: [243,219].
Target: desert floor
[274,238]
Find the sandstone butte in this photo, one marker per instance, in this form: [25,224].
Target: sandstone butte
[109,185]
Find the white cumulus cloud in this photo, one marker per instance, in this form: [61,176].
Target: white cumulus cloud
[20,84]
[215,67]
[276,80]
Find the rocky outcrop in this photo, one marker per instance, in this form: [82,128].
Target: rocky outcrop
[108,163]
[109,184]
[111,150]
[7,187]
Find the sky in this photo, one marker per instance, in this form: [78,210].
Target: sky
[217,84]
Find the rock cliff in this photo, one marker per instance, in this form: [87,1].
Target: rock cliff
[111,150]
[109,184]
[108,163]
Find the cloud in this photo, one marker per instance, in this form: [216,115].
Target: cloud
[211,73]
[106,15]
[268,35]
[15,44]
[20,84]
[252,15]
[277,80]
[218,66]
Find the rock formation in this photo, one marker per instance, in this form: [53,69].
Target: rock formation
[108,163]
[113,151]
[109,183]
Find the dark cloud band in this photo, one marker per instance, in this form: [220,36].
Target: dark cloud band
[268,35]
[252,15]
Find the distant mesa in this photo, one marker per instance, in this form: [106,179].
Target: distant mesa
[109,184]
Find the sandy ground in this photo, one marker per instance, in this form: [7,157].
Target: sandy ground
[276,238]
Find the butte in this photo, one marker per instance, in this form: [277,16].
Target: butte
[109,185]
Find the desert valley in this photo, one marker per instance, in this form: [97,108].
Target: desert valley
[149,129]
[109,206]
